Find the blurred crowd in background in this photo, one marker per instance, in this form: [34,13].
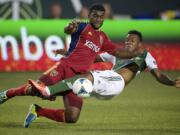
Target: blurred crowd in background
[168,14]
[60,9]
[56,11]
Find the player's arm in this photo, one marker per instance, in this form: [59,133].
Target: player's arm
[160,77]
[105,57]
[113,49]
[164,79]
[124,53]
[71,27]
[60,51]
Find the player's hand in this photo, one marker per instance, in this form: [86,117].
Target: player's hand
[74,24]
[177,82]
[60,51]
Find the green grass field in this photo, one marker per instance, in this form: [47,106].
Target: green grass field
[144,108]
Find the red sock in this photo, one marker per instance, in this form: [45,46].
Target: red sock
[53,114]
[19,91]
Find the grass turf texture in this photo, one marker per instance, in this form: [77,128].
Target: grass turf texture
[145,107]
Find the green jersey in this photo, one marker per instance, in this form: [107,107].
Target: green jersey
[143,61]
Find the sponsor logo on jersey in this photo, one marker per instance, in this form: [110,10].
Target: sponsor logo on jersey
[90,33]
[92,46]
[53,73]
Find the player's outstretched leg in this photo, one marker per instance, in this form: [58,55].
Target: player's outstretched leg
[59,87]
[23,90]
[26,89]
[19,91]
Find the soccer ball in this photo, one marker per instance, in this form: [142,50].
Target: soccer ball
[82,87]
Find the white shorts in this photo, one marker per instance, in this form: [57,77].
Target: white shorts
[107,83]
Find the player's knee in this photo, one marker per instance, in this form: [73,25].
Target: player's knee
[72,115]
[72,119]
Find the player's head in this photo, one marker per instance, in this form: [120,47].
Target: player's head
[96,16]
[133,40]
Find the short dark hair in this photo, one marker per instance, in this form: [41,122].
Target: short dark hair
[138,33]
[97,7]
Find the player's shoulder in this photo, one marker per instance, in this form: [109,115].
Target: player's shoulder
[149,54]
[103,34]
[83,24]
[80,28]
[150,59]
[146,53]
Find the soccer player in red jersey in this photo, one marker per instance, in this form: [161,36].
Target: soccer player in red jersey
[86,42]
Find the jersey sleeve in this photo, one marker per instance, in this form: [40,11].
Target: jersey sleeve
[106,57]
[150,62]
[108,45]
[80,28]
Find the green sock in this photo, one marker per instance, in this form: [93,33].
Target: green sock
[63,85]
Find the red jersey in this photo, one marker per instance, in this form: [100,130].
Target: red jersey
[85,44]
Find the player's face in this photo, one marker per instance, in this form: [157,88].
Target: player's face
[132,42]
[96,18]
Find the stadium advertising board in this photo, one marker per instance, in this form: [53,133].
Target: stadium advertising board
[29,45]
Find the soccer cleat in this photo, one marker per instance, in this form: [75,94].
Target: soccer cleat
[3,97]
[31,116]
[40,87]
